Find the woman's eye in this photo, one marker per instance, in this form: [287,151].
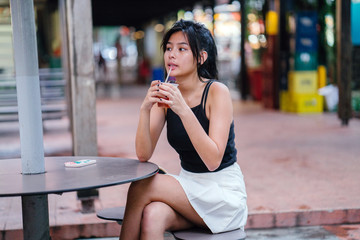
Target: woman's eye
[182,49]
[168,49]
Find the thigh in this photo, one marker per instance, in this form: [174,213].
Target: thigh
[160,213]
[166,189]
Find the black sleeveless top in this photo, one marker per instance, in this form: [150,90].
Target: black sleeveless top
[180,141]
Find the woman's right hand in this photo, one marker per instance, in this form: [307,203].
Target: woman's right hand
[152,95]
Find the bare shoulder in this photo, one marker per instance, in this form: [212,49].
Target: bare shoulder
[220,102]
[219,89]
[219,98]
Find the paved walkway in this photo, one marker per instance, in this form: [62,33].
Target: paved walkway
[299,170]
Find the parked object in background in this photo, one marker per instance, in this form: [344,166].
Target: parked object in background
[305,103]
[302,96]
[256,80]
[302,82]
[144,71]
[306,22]
[331,94]
[306,61]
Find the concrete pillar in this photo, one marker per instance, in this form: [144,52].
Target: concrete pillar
[35,208]
[77,17]
[27,86]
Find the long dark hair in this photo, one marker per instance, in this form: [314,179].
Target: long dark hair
[200,39]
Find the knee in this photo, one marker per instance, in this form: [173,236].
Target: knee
[153,218]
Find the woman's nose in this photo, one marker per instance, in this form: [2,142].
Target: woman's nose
[172,54]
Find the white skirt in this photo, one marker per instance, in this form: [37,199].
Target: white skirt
[218,197]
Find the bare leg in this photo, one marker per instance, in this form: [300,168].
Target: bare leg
[159,217]
[160,188]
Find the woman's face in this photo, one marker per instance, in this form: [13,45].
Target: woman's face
[178,56]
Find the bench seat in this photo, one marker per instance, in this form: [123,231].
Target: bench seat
[117,214]
[52,91]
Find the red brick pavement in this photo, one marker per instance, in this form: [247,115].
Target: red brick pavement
[299,170]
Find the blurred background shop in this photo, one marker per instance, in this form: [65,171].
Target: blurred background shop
[289,47]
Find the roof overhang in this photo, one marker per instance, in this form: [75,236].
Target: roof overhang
[137,12]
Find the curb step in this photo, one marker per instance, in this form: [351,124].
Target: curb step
[303,218]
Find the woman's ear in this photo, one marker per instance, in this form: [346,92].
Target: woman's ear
[203,57]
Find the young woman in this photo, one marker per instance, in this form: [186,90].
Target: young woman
[209,191]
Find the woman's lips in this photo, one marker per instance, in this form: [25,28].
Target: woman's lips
[172,66]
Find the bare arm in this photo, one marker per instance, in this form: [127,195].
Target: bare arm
[151,123]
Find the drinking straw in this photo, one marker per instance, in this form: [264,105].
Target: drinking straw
[167,78]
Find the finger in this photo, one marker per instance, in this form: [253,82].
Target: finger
[155,88]
[167,102]
[166,90]
[159,95]
[156,94]
[154,99]
[155,82]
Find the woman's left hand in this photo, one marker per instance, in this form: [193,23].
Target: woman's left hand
[172,97]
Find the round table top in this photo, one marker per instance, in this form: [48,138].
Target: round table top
[57,178]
